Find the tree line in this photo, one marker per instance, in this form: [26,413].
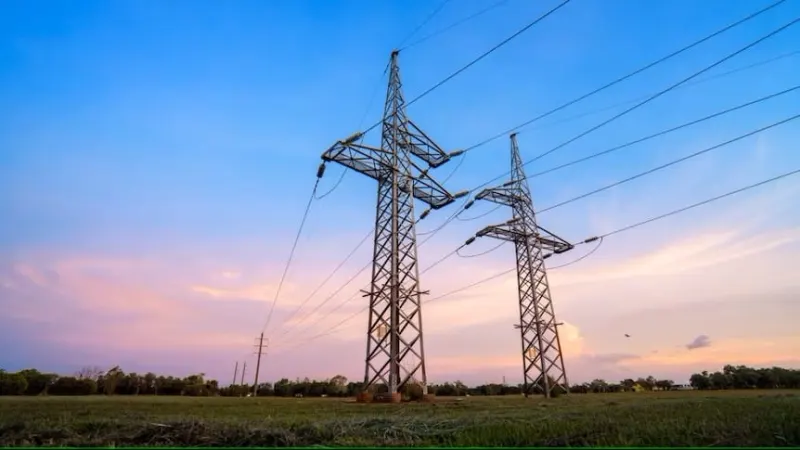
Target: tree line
[92,381]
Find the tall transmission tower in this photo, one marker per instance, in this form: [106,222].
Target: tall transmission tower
[395,351]
[543,363]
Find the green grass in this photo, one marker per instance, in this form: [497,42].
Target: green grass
[760,418]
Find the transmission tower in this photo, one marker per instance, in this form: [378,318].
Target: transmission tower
[395,352]
[543,363]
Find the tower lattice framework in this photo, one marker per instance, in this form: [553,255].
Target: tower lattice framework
[542,360]
[395,352]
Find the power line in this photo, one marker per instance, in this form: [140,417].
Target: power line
[483,253]
[663,132]
[600,237]
[614,106]
[751,16]
[377,87]
[702,203]
[328,278]
[360,123]
[643,139]
[625,77]
[291,255]
[490,51]
[638,105]
[639,175]
[483,55]
[454,25]
[344,172]
[424,22]
[439,84]
[349,299]
[671,163]
[653,97]
[693,83]
[479,216]
[575,261]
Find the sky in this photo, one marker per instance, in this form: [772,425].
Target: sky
[156,159]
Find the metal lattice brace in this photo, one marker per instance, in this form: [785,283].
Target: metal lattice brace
[542,360]
[395,352]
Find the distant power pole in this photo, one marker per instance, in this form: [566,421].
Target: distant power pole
[260,345]
[244,369]
[235,371]
[395,352]
[543,362]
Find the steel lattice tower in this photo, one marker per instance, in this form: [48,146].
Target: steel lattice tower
[395,351]
[543,363]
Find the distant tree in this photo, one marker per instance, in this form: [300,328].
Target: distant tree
[599,385]
[664,385]
[700,381]
[115,381]
[89,373]
[12,383]
[73,386]
[628,384]
[38,382]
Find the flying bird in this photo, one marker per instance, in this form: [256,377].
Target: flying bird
[627,335]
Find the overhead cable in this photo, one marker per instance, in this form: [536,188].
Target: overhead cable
[595,238]
[455,24]
[632,74]
[664,132]
[483,55]
[728,27]
[671,163]
[651,98]
[291,255]
[638,105]
[424,22]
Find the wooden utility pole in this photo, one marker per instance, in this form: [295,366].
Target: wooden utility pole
[244,369]
[260,352]
[235,372]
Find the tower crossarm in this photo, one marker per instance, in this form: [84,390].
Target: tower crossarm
[361,158]
[551,241]
[370,162]
[423,147]
[504,232]
[509,231]
[501,195]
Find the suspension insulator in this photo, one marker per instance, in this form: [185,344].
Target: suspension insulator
[470,240]
[455,153]
[424,214]
[469,204]
[547,256]
[354,137]
[321,170]
[591,239]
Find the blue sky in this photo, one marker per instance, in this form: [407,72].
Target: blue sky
[191,131]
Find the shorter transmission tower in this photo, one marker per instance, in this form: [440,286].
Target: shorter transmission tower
[543,363]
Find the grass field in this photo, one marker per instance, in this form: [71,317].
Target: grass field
[763,418]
